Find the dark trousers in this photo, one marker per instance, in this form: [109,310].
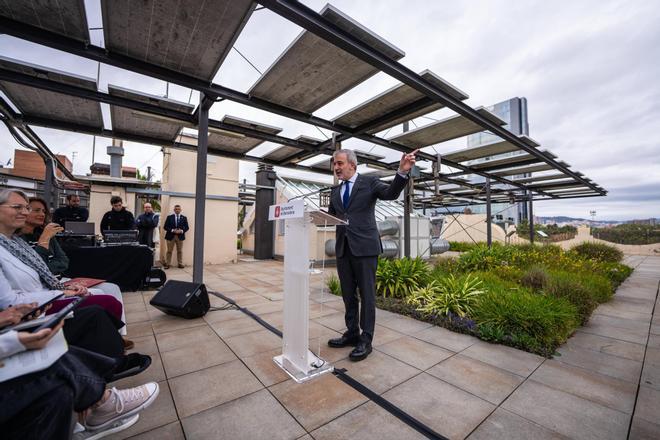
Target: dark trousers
[41,404]
[94,329]
[358,274]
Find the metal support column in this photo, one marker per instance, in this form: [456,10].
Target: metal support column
[264,230]
[407,202]
[48,183]
[200,188]
[531,219]
[489,220]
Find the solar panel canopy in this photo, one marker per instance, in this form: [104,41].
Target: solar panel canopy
[64,17]
[192,36]
[312,72]
[238,143]
[40,103]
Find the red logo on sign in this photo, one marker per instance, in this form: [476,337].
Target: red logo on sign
[277,211]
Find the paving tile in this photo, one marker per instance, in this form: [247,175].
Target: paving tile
[619,322]
[134,317]
[602,344]
[651,376]
[264,367]
[621,368]
[255,416]
[211,387]
[234,327]
[316,402]
[652,356]
[174,324]
[366,422]
[195,357]
[605,390]
[138,329]
[403,324]
[329,354]
[567,414]
[253,343]
[384,335]
[446,409]
[446,339]
[648,404]
[644,430]
[160,413]
[334,321]
[132,298]
[623,334]
[172,431]
[182,338]
[419,354]
[379,372]
[145,345]
[135,307]
[505,425]
[507,358]
[483,380]
[319,310]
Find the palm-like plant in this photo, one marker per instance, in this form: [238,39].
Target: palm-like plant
[451,294]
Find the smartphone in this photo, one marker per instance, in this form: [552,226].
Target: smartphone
[41,308]
[56,318]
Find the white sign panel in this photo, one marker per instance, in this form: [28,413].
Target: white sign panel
[295,209]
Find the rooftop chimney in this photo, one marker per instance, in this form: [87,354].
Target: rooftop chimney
[115,152]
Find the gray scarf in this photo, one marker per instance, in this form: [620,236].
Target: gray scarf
[20,249]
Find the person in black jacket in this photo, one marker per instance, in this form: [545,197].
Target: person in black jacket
[72,212]
[118,218]
[146,223]
[358,244]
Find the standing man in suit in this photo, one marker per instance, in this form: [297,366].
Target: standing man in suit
[176,226]
[358,244]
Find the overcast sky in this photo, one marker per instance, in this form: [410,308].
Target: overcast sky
[589,69]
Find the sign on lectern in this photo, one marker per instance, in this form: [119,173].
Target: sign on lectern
[296,358]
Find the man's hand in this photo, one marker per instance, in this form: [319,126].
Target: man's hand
[407,161]
[35,341]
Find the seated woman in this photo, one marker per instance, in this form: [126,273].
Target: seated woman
[24,277]
[40,233]
[41,404]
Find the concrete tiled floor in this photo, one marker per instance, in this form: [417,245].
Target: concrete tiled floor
[218,379]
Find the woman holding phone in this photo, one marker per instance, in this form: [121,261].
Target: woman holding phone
[24,277]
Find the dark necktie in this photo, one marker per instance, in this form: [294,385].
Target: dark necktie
[347,193]
[176,221]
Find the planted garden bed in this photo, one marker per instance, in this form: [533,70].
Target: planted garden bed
[529,297]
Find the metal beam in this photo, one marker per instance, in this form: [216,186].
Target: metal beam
[489,220]
[313,22]
[49,39]
[200,190]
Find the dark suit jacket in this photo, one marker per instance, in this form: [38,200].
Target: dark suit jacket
[170,226]
[361,233]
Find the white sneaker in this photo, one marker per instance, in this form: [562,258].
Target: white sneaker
[115,427]
[121,404]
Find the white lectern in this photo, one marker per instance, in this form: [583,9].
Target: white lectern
[296,359]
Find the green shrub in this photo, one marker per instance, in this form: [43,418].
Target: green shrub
[397,278]
[448,295]
[583,290]
[535,278]
[461,246]
[598,251]
[333,285]
[629,234]
[538,323]
[444,267]
[615,272]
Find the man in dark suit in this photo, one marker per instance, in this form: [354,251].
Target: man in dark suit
[176,226]
[358,244]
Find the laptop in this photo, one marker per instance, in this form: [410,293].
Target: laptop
[81,228]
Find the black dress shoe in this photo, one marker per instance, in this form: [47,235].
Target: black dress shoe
[360,352]
[344,341]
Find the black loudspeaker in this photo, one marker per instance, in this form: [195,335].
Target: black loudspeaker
[181,298]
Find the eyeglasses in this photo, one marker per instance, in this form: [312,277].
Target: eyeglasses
[20,208]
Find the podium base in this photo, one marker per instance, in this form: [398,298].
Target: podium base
[303,376]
